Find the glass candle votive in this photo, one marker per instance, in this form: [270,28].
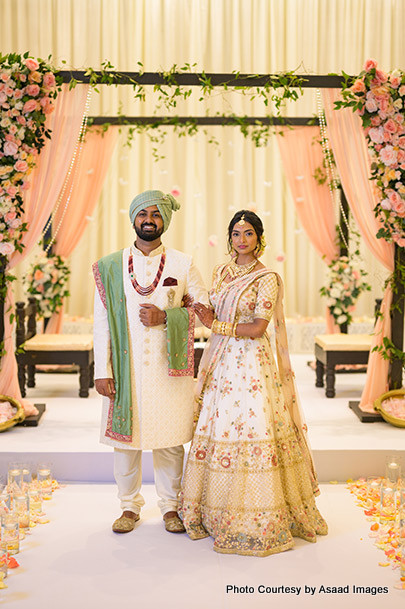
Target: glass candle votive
[35,497]
[393,471]
[374,490]
[388,503]
[26,475]
[14,477]
[21,509]
[44,478]
[10,534]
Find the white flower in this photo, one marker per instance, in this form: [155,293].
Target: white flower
[341,319]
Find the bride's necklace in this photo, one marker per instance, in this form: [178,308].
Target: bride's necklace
[235,271]
[150,288]
[239,270]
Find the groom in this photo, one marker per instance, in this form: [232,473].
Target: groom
[143,346]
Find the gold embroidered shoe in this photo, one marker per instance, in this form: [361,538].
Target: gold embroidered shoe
[125,523]
[173,524]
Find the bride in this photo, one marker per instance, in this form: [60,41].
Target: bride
[249,480]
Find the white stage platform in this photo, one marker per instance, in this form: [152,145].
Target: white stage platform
[68,433]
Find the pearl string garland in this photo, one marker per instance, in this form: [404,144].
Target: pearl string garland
[330,170]
[72,172]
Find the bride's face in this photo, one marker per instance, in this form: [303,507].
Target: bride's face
[244,238]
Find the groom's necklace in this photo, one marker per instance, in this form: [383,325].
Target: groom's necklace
[239,270]
[150,288]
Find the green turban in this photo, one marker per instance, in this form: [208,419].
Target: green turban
[166,205]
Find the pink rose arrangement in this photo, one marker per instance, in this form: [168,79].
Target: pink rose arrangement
[47,279]
[379,99]
[345,283]
[28,88]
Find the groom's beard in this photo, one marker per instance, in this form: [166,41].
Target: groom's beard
[148,235]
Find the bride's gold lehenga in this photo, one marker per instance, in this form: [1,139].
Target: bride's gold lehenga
[249,481]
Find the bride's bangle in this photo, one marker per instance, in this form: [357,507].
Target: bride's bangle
[223,327]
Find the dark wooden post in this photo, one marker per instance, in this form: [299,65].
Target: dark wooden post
[343,237]
[397,318]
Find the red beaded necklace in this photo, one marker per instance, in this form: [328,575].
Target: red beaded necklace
[150,288]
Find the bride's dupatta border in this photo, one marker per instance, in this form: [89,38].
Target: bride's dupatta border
[226,311]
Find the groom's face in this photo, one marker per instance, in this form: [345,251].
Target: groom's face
[148,223]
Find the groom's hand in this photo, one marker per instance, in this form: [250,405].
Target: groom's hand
[151,315]
[105,387]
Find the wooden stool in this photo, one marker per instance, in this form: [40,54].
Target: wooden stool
[51,349]
[333,349]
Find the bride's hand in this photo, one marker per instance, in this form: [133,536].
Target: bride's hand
[204,314]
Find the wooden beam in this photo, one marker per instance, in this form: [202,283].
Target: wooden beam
[202,120]
[327,81]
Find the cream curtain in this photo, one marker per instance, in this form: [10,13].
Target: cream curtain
[256,36]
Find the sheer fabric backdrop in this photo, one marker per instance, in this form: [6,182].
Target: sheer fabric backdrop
[256,36]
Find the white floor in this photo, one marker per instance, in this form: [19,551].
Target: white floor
[75,560]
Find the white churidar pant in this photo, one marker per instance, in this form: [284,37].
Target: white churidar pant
[168,470]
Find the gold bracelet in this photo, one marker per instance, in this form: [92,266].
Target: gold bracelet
[234,329]
[222,327]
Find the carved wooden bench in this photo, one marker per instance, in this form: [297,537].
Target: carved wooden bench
[51,349]
[334,349]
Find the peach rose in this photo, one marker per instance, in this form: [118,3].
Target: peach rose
[399,208]
[388,155]
[12,191]
[38,275]
[3,97]
[21,166]
[395,81]
[6,248]
[35,77]
[32,90]
[10,148]
[376,134]
[49,80]
[358,86]
[371,105]
[25,185]
[48,107]
[382,77]
[16,223]
[21,120]
[18,94]
[10,216]
[29,106]
[401,90]
[32,64]
[375,121]
[370,65]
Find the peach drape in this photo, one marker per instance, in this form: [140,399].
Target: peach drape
[301,155]
[87,184]
[46,180]
[352,159]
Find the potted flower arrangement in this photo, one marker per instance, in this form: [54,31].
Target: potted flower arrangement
[344,285]
[47,280]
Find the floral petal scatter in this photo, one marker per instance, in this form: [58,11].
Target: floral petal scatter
[384,528]
[379,99]
[47,280]
[28,88]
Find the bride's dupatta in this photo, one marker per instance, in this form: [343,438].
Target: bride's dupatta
[226,311]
